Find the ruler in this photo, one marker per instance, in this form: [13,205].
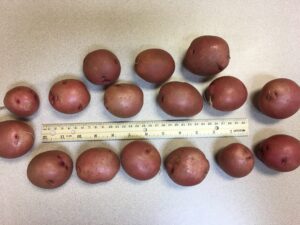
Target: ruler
[93,131]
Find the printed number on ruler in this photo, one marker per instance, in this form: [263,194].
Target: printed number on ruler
[144,129]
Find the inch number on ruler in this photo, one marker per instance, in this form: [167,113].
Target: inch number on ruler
[144,129]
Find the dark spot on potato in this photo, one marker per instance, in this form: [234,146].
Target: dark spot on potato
[80,107]
[50,182]
[193,51]
[162,98]
[249,157]
[172,170]
[64,82]
[116,61]
[147,151]
[220,67]
[17,139]
[284,161]
[18,101]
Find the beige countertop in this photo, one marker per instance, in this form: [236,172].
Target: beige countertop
[44,41]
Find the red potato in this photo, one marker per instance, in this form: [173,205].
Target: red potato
[17,138]
[226,93]
[22,101]
[69,96]
[50,169]
[123,100]
[280,152]
[279,98]
[207,55]
[236,160]
[97,165]
[140,160]
[180,99]
[187,166]
[154,65]
[101,67]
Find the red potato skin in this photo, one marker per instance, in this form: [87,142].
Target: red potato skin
[50,169]
[97,165]
[17,138]
[279,98]
[207,55]
[280,152]
[236,160]
[69,96]
[226,93]
[140,160]
[123,100]
[154,65]
[101,67]
[180,99]
[187,166]
[22,101]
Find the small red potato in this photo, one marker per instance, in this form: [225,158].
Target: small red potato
[279,98]
[226,93]
[140,160]
[207,55]
[236,160]
[97,165]
[22,101]
[69,96]
[50,169]
[280,152]
[187,166]
[154,65]
[17,138]
[101,67]
[123,100]
[180,99]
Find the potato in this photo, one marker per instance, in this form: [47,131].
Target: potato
[154,65]
[207,55]
[123,100]
[69,96]
[236,160]
[97,165]
[279,98]
[21,101]
[187,166]
[101,67]
[279,152]
[180,99]
[50,169]
[226,93]
[140,160]
[16,137]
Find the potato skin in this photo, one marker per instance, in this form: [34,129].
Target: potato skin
[236,160]
[207,55]
[97,165]
[154,65]
[17,138]
[140,160]
[50,169]
[279,152]
[22,101]
[187,166]
[101,67]
[180,99]
[279,98]
[69,96]
[226,93]
[123,100]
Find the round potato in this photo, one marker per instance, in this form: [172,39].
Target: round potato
[123,100]
[279,98]
[226,93]
[97,165]
[187,166]
[16,137]
[140,160]
[154,65]
[50,169]
[180,99]
[22,101]
[280,152]
[207,55]
[236,160]
[69,96]
[101,67]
